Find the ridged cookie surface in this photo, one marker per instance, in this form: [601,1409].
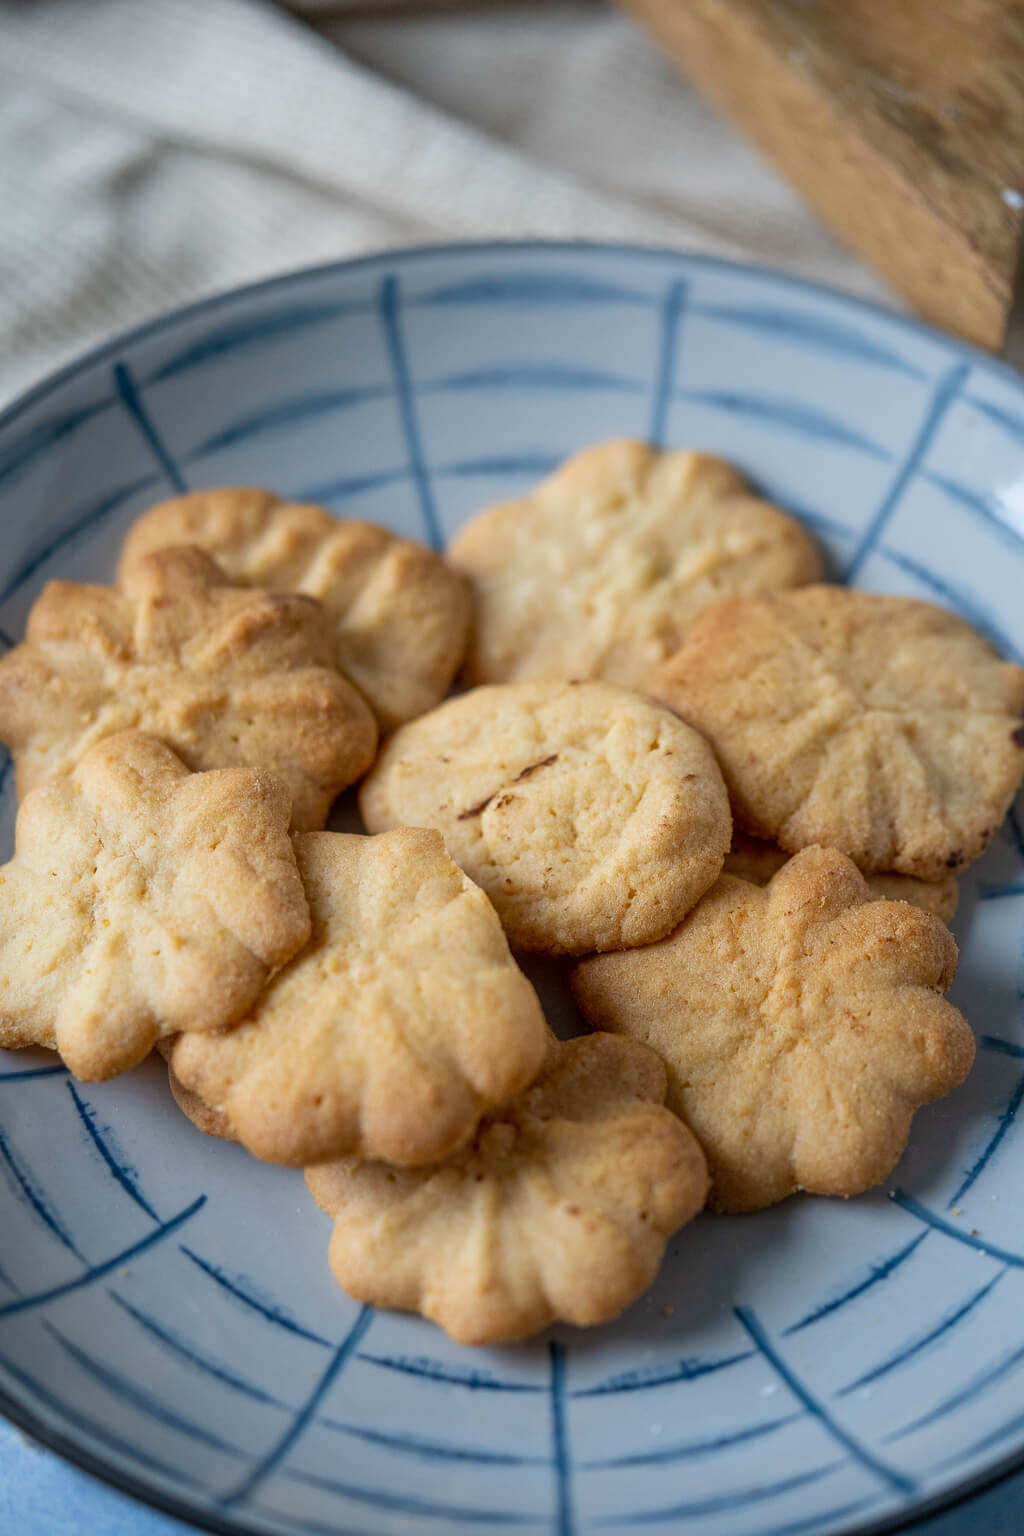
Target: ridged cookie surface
[882,726]
[226,677]
[143,899]
[601,569]
[400,614]
[802,1024]
[751,858]
[402,1022]
[560,1207]
[592,818]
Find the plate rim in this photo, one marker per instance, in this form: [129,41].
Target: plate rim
[25,1419]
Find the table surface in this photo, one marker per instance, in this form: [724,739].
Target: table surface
[41,1495]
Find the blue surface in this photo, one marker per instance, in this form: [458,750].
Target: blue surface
[164,1302]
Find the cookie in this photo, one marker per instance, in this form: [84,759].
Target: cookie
[559,1208]
[802,1024]
[882,726]
[400,614]
[225,677]
[399,1025]
[750,858]
[601,569]
[212,1122]
[591,817]
[143,899]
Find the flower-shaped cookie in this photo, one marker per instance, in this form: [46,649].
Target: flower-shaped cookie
[560,1207]
[400,1024]
[225,677]
[591,817]
[400,614]
[879,725]
[601,569]
[143,899]
[802,1025]
[751,858]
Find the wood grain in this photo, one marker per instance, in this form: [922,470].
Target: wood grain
[900,121]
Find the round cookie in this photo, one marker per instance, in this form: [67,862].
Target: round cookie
[601,569]
[882,726]
[801,1024]
[400,613]
[403,1020]
[559,1208]
[591,817]
[143,899]
[227,678]
[751,858]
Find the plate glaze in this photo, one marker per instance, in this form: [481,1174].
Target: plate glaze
[167,1317]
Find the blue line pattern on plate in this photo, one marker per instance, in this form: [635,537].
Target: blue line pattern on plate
[19,457]
[1004,1121]
[390,310]
[236,1286]
[689,1450]
[670,324]
[722,1503]
[565,1524]
[813,331]
[288,413]
[922,1212]
[303,1416]
[121,1386]
[1010,423]
[950,596]
[33,1197]
[662,1376]
[789,415]
[25,1074]
[977,506]
[79,525]
[97,1271]
[944,393]
[897,1481]
[376,1498]
[1001,1047]
[973,1389]
[531,288]
[877,1272]
[539,377]
[254,331]
[920,1341]
[131,398]
[124,1175]
[432,1370]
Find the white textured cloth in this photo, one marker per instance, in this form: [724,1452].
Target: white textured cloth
[153,151]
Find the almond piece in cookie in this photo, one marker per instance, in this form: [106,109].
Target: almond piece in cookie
[402,1022]
[400,614]
[143,899]
[591,817]
[751,858]
[882,726]
[226,677]
[559,1208]
[802,1024]
[602,568]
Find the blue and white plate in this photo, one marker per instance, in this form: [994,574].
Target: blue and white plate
[167,1317]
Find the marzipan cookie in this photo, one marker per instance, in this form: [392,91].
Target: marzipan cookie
[401,1023]
[143,899]
[591,817]
[601,569]
[751,858]
[802,1024]
[226,677]
[400,614]
[882,726]
[560,1206]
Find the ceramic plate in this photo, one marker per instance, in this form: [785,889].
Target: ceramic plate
[167,1317]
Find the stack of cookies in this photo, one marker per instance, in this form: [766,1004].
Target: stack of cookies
[654,659]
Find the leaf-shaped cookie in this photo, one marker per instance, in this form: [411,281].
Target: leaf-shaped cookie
[226,677]
[600,570]
[802,1025]
[560,1207]
[883,726]
[142,899]
[400,614]
[403,1020]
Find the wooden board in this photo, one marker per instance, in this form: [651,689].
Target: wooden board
[900,121]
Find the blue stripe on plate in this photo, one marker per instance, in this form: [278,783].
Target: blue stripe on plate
[722,1503]
[433,1370]
[302,1417]
[131,398]
[242,1290]
[690,1450]
[295,412]
[389,305]
[530,288]
[899,1482]
[82,522]
[789,415]
[561,1454]
[920,1341]
[879,1271]
[124,1173]
[673,306]
[953,597]
[973,1389]
[255,330]
[915,1208]
[536,377]
[34,1198]
[663,1376]
[97,1271]
[809,330]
